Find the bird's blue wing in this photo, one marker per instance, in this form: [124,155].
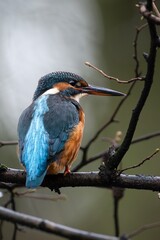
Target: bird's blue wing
[33,142]
[23,126]
[43,129]
[59,121]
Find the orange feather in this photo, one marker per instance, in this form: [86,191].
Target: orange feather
[70,152]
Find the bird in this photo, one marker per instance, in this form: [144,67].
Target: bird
[50,129]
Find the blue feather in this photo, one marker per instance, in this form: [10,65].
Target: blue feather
[35,182]
[36,145]
[44,127]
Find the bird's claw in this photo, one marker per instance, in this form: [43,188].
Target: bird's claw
[67,171]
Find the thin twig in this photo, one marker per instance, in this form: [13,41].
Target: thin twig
[142,229]
[155,9]
[7,143]
[13,205]
[135,55]
[141,163]
[116,216]
[113,78]
[118,193]
[148,14]
[145,137]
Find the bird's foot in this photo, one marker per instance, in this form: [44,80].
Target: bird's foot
[67,170]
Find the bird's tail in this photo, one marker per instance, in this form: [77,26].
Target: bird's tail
[34,182]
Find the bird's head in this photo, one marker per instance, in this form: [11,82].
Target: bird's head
[70,85]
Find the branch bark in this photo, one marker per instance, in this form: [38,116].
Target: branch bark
[85,179]
[50,227]
[117,157]
[148,14]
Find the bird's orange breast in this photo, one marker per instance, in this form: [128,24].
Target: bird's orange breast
[71,148]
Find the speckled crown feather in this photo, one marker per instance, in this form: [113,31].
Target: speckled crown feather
[46,82]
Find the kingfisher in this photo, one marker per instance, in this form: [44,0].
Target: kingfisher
[50,130]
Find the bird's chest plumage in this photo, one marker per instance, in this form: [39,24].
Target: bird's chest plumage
[70,118]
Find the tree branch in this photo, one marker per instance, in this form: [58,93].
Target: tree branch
[118,194]
[101,154]
[146,137]
[141,163]
[7,143]
[86,179]
[142,229]
[148,14]
[116,159]
[114,78]
[50,227]
[135,55]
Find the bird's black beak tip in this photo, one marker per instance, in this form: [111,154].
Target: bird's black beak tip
[122,94]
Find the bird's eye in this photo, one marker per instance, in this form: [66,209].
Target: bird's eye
[78,84]
[75,83]
[72,83]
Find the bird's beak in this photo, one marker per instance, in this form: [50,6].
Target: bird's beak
[94,90]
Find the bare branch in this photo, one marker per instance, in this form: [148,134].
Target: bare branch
[50,227]
[135,56]
[142,162]
[112,119]
[148,14]
[145,137]
[116,159]
[113,78]
[7,143]
[155,9]
[142,229]
[86,179]
[118,193]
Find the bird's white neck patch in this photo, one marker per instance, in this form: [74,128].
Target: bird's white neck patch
[56,90]
[51,91]
[78,96]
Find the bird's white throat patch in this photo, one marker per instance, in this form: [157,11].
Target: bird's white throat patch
[56,90]
[78,96]
[51,91]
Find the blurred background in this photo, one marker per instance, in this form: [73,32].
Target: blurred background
[41,36]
